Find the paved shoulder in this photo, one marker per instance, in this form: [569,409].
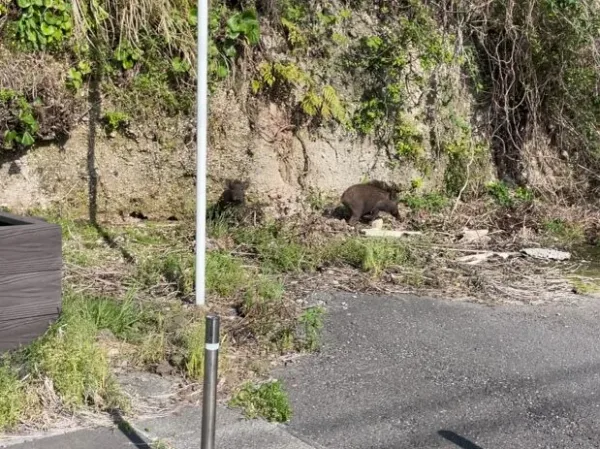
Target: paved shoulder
[420,373]
[178,431]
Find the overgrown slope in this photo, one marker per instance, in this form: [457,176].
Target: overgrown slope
[305,96]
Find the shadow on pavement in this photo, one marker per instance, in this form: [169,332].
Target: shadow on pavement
[458,440]
[127,430]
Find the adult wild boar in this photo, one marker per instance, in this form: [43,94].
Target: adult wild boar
[370,199]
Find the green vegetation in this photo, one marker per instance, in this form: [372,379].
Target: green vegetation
[14,400]
[17,120]
[142,318]
[585,286]
[504,196]
[268,400]
[115,121]
[240,28]
[284,79]
[43,24]
[312,322]
[370,255]
[568,233]
[70,356]
[430,202]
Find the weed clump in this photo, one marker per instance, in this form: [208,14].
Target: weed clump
[70,356]
[370,255]
[13,398]
[268,400]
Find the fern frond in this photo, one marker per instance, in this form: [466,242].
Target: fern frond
[311,103]
[334,106]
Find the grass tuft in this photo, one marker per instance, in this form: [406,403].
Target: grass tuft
[70,356]
[13,398]
[312,323]
[373,255]
[268,400]
[194,344]
[225,274]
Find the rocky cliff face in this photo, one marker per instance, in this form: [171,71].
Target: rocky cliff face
[325,98]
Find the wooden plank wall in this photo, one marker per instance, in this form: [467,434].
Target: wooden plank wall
[30,279]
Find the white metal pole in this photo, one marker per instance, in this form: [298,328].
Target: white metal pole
[201,128]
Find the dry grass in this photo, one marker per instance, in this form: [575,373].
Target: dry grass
[128,21]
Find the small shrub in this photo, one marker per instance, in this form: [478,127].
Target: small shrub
[506,197]
[240,28]
[500,192]
[416,184]
[76,75]
[264,288]
[153,348]
[267,400]
[286,79]
[316,199]
[125,56]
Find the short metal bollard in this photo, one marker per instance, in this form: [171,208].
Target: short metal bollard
[209,394]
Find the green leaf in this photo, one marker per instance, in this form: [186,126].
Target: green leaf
[233,35]
[222,71]
[27,139]
[256,86]
[253,36]
[231,52]
[84,67]
[10,136]
[51,18]
[74,74]
[24,4]
[48,30]
[193,16]
[31,36]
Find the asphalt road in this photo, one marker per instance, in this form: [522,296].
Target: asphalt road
[404,373]
[407,373]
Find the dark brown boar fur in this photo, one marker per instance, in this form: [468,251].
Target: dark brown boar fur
[233,207]
[370,199]
[234,193]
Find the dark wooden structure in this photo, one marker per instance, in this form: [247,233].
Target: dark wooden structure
[30,278]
